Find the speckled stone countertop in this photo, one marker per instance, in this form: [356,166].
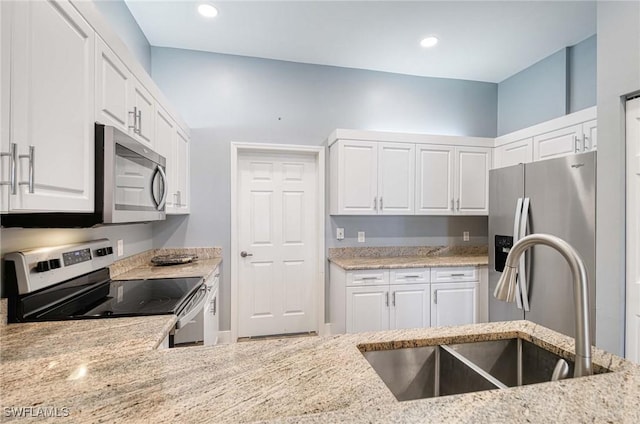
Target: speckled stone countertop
[139,266]
[408,257]
[307,379]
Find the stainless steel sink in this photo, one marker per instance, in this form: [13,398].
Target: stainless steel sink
[430,371]
[423,372]
[515,362]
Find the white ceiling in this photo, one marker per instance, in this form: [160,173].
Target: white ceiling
[479,40]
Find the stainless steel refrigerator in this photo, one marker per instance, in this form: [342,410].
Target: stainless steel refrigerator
[555,196]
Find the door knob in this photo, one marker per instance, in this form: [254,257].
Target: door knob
[245,254]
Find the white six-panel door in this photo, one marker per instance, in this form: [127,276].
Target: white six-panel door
[633,231]
[277,204]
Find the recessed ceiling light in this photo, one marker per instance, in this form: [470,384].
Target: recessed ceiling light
[429,41]
[207,10]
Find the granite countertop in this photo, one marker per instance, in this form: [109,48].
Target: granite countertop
[198,268]
[306,379]
[352,259]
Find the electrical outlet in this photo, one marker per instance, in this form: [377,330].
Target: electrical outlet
[120,247]
[360,236]
[465,236]
[340,233]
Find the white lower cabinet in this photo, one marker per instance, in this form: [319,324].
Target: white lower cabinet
[454,303]
[367,309]
[377,300]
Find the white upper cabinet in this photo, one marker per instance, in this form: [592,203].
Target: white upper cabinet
[590,134]
[472,180]
[143,114]
[562,142]
[354,177]
[435,179]
[52,107]
[566,135]
[520,151]
[114,86]
[182,193]
[396,178]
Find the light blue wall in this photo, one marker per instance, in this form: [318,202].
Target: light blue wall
[582,60]
[227,98]
[119,17]
[618,75]
[534,95]
[562,83]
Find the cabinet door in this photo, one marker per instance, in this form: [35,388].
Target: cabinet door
[182,172]
[396,178]
[454,304]
[357,177]
[410,306]
[562,142]
[367,309]
[434,180]
[113,89]
[144,106]
[165,142]
[472,180]
[514,153]
[5,48]
[590,131]
[52,107]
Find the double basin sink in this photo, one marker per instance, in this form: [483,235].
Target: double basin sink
[442,370]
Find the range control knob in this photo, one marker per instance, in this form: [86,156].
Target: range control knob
[104,251]
[42,266]
[54,263]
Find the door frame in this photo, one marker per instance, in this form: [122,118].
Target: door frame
[318,152]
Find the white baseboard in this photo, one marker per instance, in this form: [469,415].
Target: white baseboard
[224,337]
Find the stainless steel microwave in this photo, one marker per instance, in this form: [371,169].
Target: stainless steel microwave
[133,184]
[130,186]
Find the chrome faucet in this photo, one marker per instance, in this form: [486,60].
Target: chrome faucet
[506,291]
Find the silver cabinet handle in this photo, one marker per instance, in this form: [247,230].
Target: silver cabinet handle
[435,297]
[369,278]
[139,122]
[215,305]
[381,203]
[13,169]
[585,139]
[411,276]
[387,299]
[134,127]
[375,203]
[576,144]
[457,275]
[458,204]
[32,158]
[245,254]
[394,299]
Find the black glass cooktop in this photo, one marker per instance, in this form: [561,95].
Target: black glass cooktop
[146,297]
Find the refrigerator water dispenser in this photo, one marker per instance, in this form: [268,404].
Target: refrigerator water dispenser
[502,246]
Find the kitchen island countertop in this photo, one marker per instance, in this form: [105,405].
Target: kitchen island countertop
[306,379]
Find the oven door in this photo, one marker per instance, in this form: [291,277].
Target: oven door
[190,326]
[135,183]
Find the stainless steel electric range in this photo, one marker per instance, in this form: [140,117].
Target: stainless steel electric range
[73,282]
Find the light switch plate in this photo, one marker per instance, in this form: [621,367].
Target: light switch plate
[120,247]
[340,233]
[465,236]
[360,236]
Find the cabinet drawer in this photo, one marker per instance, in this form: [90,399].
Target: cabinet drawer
[446,275]
[410,276]
[368,277]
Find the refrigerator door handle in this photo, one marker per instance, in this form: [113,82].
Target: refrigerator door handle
[516,234]
[522,269]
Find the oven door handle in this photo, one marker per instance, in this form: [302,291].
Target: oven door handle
[193,311]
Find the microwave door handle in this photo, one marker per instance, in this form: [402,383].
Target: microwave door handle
[165,190]
[153,183]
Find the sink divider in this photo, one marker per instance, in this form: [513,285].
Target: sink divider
[472,365]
